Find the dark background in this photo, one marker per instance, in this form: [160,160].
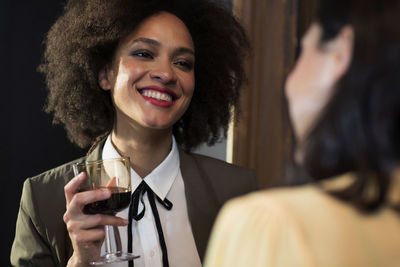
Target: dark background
[29,143]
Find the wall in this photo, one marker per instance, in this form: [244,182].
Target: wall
[217,151]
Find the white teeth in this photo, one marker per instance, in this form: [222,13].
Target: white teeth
[157,95]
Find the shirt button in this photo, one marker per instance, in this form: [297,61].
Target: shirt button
[152,253]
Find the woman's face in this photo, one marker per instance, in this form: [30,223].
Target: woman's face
[152,76]
[310,84]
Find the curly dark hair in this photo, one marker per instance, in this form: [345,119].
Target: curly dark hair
[84,38]
[360,127]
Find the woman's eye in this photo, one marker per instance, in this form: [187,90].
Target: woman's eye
[142,54]
[187,65]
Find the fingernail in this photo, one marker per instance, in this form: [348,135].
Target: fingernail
[106,192]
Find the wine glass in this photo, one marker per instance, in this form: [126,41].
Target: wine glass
[114,175]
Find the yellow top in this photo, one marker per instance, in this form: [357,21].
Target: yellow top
[302,226]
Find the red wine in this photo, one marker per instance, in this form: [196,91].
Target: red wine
[120,199]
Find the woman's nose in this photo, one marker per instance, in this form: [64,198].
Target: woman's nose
[164,73]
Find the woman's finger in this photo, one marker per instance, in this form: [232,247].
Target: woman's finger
[88,236]
[94,221]
[92,227]
[79,200]
[72,186]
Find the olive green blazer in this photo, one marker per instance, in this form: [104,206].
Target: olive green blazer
[41,237]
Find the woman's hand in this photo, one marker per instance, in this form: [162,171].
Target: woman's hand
[86,231]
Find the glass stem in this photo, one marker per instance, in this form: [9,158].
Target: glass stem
[117,236]
[107,241]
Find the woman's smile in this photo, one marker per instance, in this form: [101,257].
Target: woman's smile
[158,96]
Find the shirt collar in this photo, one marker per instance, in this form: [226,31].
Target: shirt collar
[160,180]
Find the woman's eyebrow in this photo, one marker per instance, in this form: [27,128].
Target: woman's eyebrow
[152,42]
[184,50]
[148,41]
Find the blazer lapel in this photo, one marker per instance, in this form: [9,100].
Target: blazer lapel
[95,154]
[202,203]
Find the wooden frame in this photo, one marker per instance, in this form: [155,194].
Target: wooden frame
[261,139]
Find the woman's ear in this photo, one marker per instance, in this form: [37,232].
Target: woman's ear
[342,48]
[104,79]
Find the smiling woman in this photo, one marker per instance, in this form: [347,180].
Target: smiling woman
[149,80]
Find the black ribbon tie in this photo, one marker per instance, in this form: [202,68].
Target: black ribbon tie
[134,214]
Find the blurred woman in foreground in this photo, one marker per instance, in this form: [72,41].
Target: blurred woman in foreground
[344,104]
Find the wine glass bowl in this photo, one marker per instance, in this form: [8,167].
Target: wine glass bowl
[110,174]
[113,175]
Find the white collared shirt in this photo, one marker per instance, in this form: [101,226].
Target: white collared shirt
[166,182]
